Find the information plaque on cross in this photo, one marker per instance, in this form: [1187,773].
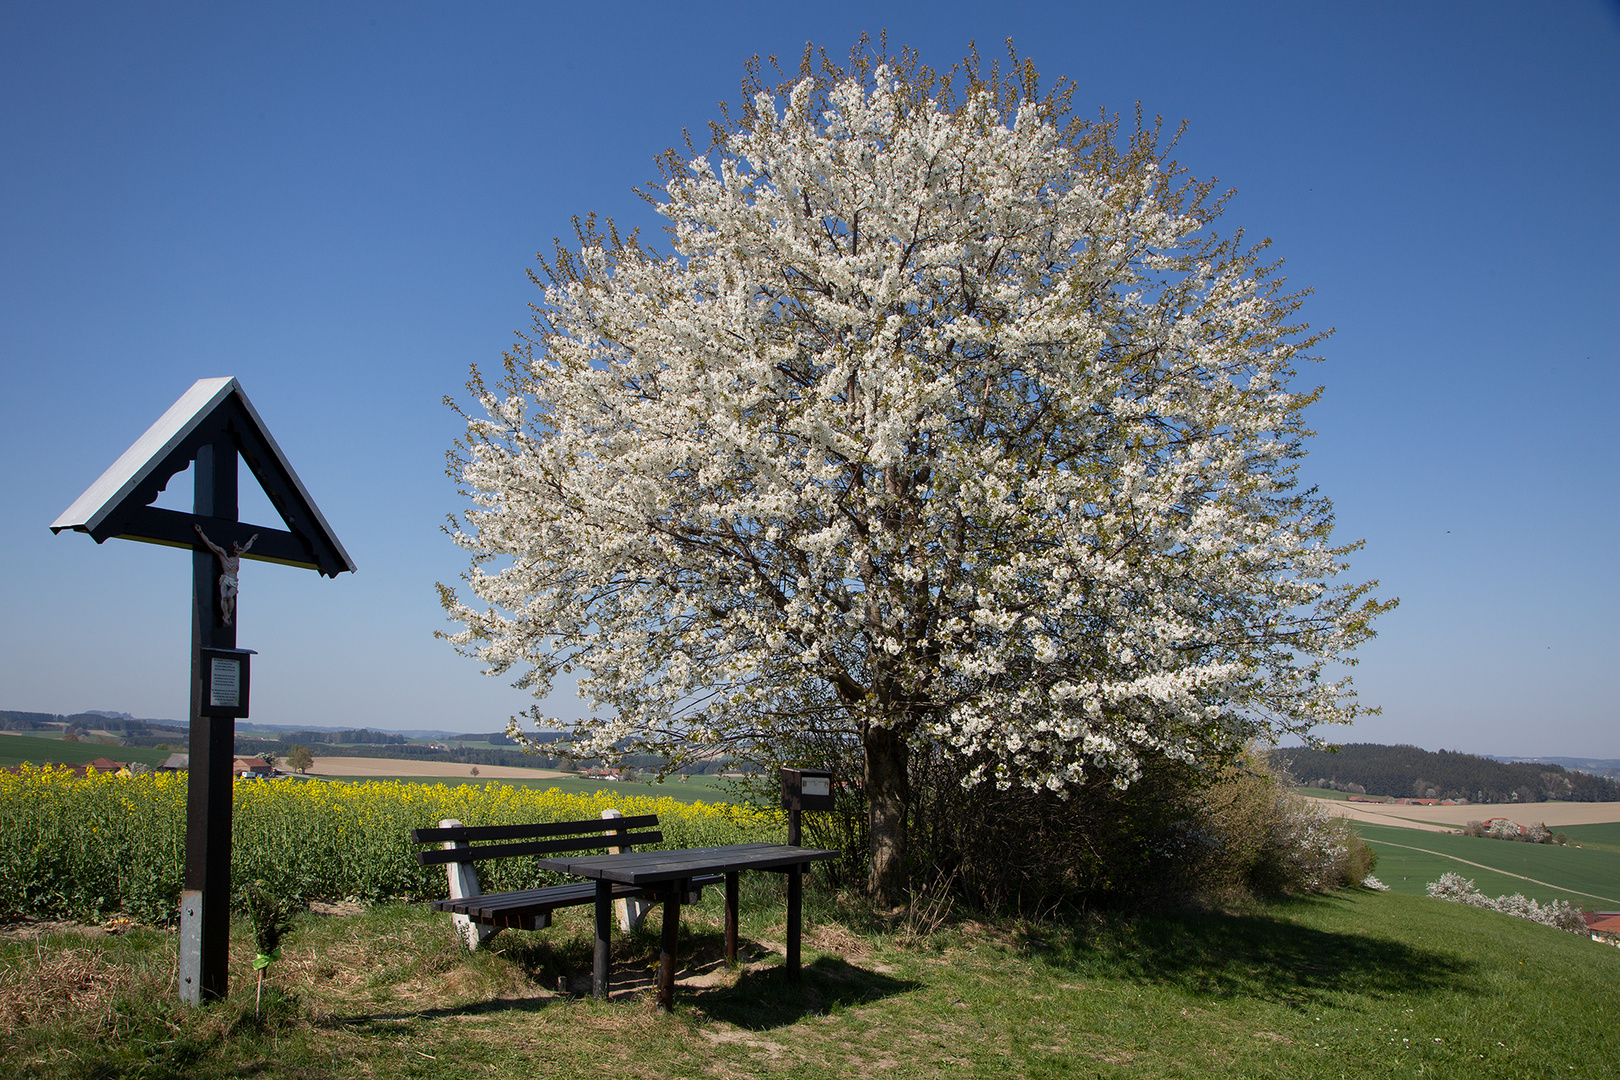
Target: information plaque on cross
[208,430]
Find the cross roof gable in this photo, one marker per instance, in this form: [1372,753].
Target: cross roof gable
[119,502]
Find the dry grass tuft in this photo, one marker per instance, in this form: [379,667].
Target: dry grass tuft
[74,983]
[835,937]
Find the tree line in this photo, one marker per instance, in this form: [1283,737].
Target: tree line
[16,720]
[359,737]
[1412,772]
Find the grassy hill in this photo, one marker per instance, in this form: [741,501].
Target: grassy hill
[31,749]
[1588,876]
[1353,985]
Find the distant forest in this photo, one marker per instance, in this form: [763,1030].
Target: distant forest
[11,720]
[362,737]
[1412,772]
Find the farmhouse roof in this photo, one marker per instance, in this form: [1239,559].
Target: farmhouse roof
[119,503]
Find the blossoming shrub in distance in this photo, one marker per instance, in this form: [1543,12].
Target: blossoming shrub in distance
[1560,914]
[86,846]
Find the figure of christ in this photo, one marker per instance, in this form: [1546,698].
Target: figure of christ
[230,564]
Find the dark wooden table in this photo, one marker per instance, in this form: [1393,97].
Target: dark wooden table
[667,875]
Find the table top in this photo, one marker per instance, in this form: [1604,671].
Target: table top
[648,867]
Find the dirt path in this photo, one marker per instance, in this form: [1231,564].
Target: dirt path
[1447,818]
[1357,812]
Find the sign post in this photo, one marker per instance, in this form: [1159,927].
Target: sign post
[208,430]
[804,789]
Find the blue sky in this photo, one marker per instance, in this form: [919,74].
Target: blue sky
[337,203]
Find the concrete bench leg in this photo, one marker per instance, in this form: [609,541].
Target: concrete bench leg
[631,912]
[464,883]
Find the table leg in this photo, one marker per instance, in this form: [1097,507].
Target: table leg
[604,927]
[731,918]
[795,915]
[666,958]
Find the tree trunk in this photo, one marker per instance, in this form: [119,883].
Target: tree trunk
[888,790]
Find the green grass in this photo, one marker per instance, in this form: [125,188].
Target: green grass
[1604,837]
[30,749]
[1587,877]
[1352,985]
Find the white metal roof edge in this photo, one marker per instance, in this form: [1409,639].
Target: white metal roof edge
[180,420]
[275,448]
[122,475]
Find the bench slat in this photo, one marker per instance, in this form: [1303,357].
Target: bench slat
[534,847]
[530,902]
[533,899]
[530,909]
[469,834]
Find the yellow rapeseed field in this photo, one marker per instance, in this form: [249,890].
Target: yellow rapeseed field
[93,845]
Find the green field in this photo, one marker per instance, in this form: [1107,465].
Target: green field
[699,789]
[1605,837]
[30,749]
[1587,877]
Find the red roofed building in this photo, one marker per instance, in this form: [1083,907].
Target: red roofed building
[1603,922]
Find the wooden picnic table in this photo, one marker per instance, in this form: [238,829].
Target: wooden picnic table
[668,874]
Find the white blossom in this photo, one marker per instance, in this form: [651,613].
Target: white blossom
[939,417]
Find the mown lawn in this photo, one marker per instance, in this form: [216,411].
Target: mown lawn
[1357,984]
[1587,877]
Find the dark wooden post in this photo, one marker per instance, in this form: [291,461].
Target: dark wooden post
[205,903]
[795,918]
[731,917]
[671,938]
[604,930]
[210,428]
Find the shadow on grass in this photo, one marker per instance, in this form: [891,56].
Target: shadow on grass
[763,998]
[1216,954]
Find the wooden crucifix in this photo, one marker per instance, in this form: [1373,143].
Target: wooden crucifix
[208,429]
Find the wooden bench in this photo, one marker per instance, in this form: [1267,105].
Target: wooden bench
[477,915]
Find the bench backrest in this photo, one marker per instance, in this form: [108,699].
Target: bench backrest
[543,839]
